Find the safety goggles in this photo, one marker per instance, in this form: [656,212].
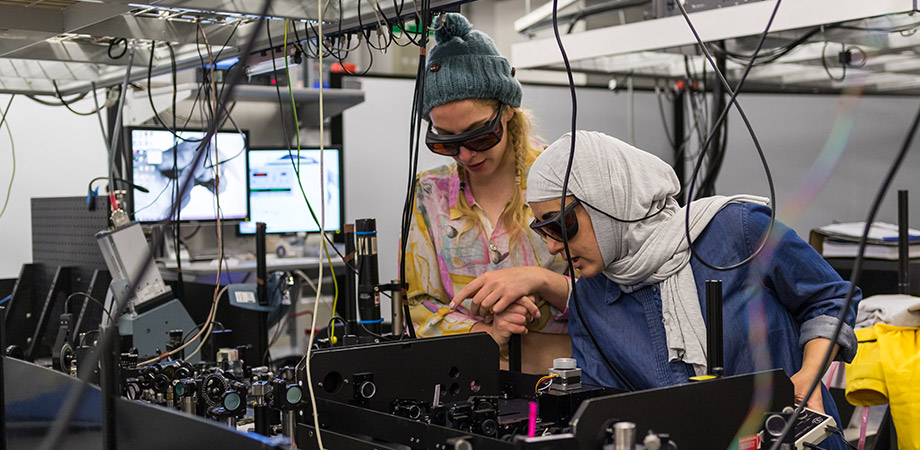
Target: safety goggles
[478,140]
[557,221]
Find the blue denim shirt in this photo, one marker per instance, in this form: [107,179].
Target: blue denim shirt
[800,294]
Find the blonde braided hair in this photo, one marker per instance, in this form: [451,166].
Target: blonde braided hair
[515,217]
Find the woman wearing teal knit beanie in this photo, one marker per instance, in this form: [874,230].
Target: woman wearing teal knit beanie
[471,216]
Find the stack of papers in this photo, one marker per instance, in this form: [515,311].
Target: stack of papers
[842,240]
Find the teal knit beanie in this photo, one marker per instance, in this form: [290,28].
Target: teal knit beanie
[465,64]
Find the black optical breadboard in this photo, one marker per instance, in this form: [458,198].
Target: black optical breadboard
[64,229]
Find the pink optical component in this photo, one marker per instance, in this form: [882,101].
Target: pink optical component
[532,422]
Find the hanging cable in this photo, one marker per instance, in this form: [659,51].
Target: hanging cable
[208,145]
[115,134]
[99,117]
[402,25]
[9,188]
[63,102]
[854,277]
[66,104]
[203,333]
[73,396]
[827,70]
[415,126]
[367,33]
[116,42]
[156,114]
[177,229]
[321,227]
[716,128]
[297,43]
[765,57]
[90,298]
[322,215]
[625,383]
[287,145]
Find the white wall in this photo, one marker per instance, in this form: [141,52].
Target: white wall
[57,153]
[376,149]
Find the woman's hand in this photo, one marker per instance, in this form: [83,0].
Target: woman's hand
[513,320]
[801,381]
[812,357]
[492,292]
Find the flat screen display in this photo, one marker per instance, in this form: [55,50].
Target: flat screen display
[160,161]
[276,198]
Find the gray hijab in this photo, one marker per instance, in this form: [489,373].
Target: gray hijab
[629,183]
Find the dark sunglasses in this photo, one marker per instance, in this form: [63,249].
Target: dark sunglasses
[553,226]
[478,140]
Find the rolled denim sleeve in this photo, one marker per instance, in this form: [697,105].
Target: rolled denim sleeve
[808,287]
[823,327]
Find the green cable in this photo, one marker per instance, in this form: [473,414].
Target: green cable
[335,282]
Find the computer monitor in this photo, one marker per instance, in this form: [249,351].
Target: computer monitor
[275,196]
[153,168]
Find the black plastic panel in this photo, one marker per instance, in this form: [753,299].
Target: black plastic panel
[701,415]
[63,231]
[408,369]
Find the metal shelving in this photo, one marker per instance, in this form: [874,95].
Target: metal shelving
[69,42]
[886,62]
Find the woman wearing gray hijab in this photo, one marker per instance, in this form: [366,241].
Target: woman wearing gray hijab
[641,292]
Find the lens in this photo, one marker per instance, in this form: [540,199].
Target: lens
[570,223]
[367,389]
[774,425]
[232,401]
[482,143]
[552,230]
[547,230]
[444,149]
[294,395]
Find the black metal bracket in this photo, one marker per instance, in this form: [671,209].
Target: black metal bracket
[59,287]
[714,340]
